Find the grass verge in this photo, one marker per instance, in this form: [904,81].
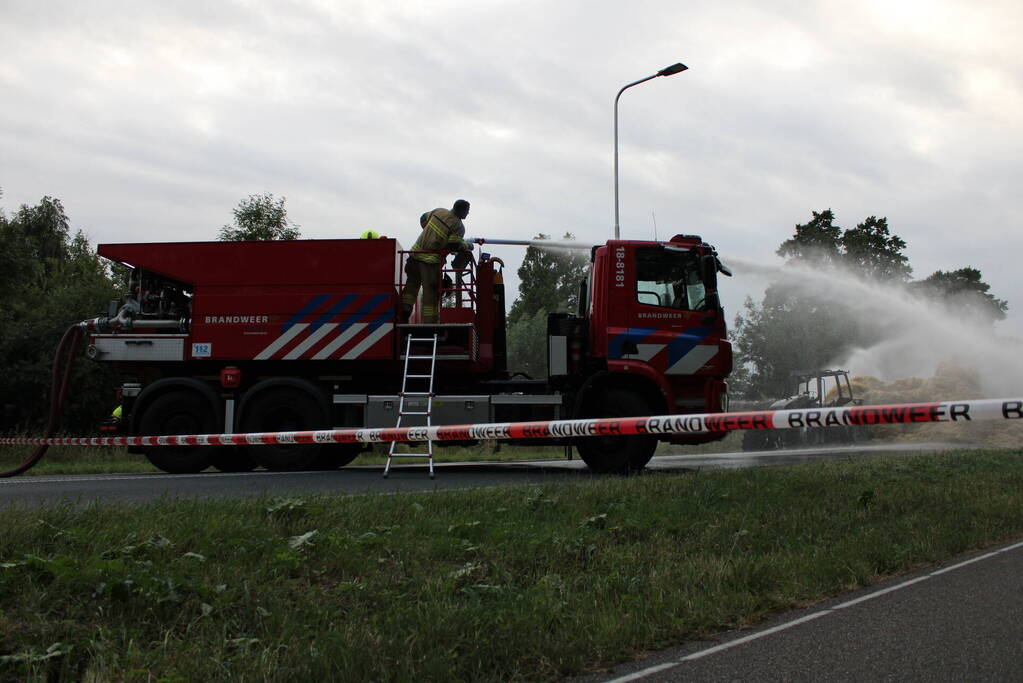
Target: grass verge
[519,583]
[76,460]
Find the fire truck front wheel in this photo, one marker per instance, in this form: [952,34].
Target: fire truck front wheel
[618,454]
[283,409]
[177,412]
[335,455]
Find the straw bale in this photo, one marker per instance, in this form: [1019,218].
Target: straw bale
[950,382]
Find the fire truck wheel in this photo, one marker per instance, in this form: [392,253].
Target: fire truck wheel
[178,412]
[334,456]
[283,409]
[618,454]
[232,459]
[760,440]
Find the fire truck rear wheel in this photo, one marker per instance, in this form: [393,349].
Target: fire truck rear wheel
[232,459]
[284,409]
[178,412]
[618,454]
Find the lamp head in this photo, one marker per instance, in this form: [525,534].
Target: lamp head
[673,69]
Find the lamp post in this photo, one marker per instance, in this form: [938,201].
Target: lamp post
[666,71]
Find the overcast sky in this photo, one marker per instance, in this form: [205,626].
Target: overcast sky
[150,121]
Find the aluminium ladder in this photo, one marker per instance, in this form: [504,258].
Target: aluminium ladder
[419,376]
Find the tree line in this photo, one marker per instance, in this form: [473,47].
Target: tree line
[796,327]
[50,277]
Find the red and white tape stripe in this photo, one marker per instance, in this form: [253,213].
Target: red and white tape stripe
[902,413]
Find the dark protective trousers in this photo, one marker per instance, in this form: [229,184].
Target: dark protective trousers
[420,274]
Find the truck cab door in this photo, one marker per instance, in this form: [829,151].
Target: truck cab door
[660,312]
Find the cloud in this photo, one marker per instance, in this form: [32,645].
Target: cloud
[150,121]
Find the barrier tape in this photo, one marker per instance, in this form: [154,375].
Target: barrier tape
[857,416]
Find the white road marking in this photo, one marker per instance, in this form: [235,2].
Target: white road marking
[639,675]
[646,672]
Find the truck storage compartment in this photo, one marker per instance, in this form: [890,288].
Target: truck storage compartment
[525,407]
[143,347]
[349,411]
[382,411]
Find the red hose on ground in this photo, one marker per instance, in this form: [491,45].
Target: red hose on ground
[63,362]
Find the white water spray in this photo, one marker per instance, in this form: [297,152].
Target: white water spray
[922,333]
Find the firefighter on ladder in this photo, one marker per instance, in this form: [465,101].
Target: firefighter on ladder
[443,231]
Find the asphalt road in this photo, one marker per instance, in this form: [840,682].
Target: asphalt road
[138,488]
[957,622]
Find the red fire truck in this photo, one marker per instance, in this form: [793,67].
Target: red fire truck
[226,337]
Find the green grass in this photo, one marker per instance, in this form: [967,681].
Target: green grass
[517,583]
[76,460]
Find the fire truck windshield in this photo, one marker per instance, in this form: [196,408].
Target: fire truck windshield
[669,278]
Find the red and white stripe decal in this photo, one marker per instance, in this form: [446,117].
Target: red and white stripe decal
[903,413]
[328,341]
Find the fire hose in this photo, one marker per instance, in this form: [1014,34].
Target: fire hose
[63,362]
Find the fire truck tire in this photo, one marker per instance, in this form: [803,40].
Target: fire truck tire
[334,456]
[180,411]
[618,454]
[283,409]
[760,440]
[232,459]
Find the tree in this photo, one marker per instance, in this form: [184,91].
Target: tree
[815,242]
[869,250]
[260,218]
[49,280]
[962,289]
[790,330]
[798,327]
[526,346]
[872,252]
[549,280]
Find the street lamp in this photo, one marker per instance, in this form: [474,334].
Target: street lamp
[666,71]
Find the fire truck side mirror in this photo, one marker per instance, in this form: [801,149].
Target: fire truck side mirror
[709,272]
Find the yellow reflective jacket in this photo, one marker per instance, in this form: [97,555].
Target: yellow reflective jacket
[442,231]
